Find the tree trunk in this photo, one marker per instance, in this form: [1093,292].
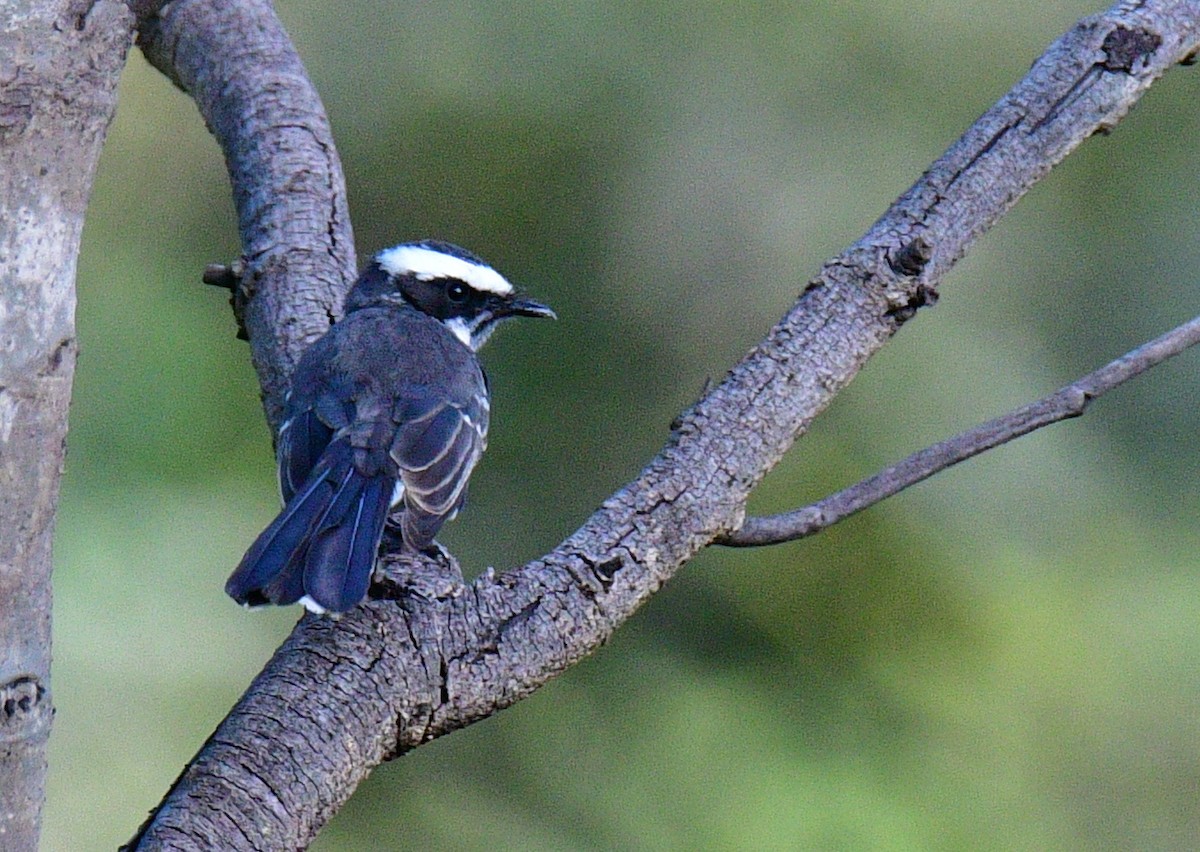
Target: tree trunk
[59,64]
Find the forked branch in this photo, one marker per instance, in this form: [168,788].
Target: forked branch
[340,696]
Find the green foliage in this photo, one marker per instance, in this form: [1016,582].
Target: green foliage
[1000,658]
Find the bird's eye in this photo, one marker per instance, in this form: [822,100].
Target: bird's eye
[456,291]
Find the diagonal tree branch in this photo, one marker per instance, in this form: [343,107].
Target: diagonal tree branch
[1067,402]
[341,696]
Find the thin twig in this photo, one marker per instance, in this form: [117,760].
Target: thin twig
[1070,401]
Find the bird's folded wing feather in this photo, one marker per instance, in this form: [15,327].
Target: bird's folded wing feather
[436,451]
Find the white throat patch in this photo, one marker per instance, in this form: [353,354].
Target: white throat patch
[461,330]
[427,264]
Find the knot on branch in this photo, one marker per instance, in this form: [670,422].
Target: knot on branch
[911,259]
[1125,48]
[603,570]
[903,306]
[905,298]
[230,277]
[25,711]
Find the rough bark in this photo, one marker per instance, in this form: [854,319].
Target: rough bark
[59,64]
[341,696]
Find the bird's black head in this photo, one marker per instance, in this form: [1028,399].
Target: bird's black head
[446,282]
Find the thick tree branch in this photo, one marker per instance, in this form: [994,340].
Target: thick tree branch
[59,65]
[341,696]
[1067,402]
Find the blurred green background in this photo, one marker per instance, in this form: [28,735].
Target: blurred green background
[1002,658]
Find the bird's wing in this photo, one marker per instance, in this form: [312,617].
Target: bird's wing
[314,413]
[436,447]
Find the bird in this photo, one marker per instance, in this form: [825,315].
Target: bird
[386,417]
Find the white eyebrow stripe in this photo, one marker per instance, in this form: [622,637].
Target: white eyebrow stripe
[427,264]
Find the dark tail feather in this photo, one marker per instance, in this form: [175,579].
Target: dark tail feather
[263,576]
[322,544]
[341,556]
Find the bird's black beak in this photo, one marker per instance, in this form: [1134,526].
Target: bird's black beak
[522,307]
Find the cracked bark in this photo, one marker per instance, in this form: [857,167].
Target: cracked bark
[431,655]
[58,76]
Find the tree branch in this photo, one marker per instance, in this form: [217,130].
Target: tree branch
[1067,402]
[58,80]
[341,696]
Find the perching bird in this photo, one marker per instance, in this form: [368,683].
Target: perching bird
[387,414]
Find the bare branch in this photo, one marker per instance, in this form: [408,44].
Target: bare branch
[1070,401]
[341,696]
[58,77]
